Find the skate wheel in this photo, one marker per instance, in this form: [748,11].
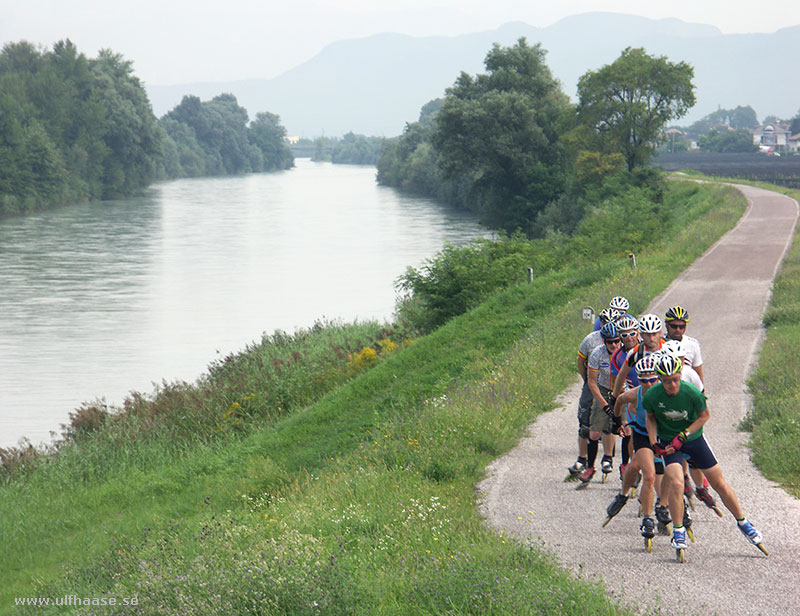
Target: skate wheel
[582,485]
[570,477]
[761,547]
[691,503]
[690,533]
[648,544]
[680,554]
[717,511]
[608,519]
[640,511]
[633,492]
[604,477]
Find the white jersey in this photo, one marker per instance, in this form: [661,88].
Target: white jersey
[693,355]
[589,344]
[600,360]
[690,375]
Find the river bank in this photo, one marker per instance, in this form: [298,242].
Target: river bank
[96,296]
[368,492]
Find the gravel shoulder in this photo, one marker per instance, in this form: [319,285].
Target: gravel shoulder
[726,292]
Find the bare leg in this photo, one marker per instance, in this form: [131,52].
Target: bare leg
[725,491]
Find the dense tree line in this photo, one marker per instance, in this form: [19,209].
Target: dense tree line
[74,128]
[214,138]
[71,128]
[350,149]
[509,145]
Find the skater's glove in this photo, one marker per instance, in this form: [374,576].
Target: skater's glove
[660,451]
[616,424]
[609,410]
[611,400]
[679,440]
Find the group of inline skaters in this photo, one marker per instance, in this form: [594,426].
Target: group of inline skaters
[646,385]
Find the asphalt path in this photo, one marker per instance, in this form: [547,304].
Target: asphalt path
[726,292]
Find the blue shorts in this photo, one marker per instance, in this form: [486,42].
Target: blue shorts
[696,451]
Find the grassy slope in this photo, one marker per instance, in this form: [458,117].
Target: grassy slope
[775,384]
[368,493]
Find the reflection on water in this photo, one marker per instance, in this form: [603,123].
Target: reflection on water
[100,299]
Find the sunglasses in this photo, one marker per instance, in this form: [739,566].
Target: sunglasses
[614,341]
[628,335]
[650,379]
[676,326]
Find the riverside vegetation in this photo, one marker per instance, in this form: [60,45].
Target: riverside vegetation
[74,128]
[333,471]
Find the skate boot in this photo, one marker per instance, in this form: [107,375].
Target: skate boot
[753,536]
[606,466]
[615,507]
[648,532]
[586,477]
[664,519]
[687,491]
[704,496]
[636,483]
[575,470]
[687,519]
[679,543]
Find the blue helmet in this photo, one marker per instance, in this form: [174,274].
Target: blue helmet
[609,331]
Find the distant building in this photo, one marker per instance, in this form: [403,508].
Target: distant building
[292,139]
[771,136]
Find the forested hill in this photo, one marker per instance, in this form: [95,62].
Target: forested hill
[374,85]
[74,128]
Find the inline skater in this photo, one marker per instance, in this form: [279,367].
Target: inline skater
[589,344]
[628,328]
[650,330]
[676,414]
[644,459]
[676,319]
[599,382]
[688,374]
[618,303]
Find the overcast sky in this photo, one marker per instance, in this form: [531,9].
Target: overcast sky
[184,41]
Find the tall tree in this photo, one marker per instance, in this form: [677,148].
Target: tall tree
[500,131]
[627,103]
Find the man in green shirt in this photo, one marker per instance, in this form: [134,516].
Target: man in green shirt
[676,414]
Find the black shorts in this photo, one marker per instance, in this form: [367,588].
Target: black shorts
[696,451]
[640,441]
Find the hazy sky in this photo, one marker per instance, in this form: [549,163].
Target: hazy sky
[183,41]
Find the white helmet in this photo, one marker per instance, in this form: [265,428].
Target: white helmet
[647,364]
[627,322]
[674,347]
[650,324]
[619,303]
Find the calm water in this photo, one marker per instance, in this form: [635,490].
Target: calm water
[100,299]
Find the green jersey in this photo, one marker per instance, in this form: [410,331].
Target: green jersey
[674,413]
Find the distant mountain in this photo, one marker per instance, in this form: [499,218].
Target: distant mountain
[375,85]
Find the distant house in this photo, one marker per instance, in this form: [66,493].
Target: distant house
[292,139]
[771,136]
[794,143]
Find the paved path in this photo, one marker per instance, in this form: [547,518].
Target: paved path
[726,291]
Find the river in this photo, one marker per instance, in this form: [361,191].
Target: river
[100,299]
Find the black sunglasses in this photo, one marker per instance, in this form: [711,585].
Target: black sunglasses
[676,326]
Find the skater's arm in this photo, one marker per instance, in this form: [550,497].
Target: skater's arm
[699,371]
[652,428]
[626,398]
[591,381]
[582,361]
[698,423]
[620,381]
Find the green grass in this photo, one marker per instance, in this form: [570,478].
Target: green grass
[775,385]
[361,502]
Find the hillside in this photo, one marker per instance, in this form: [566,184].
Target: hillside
[376,84]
